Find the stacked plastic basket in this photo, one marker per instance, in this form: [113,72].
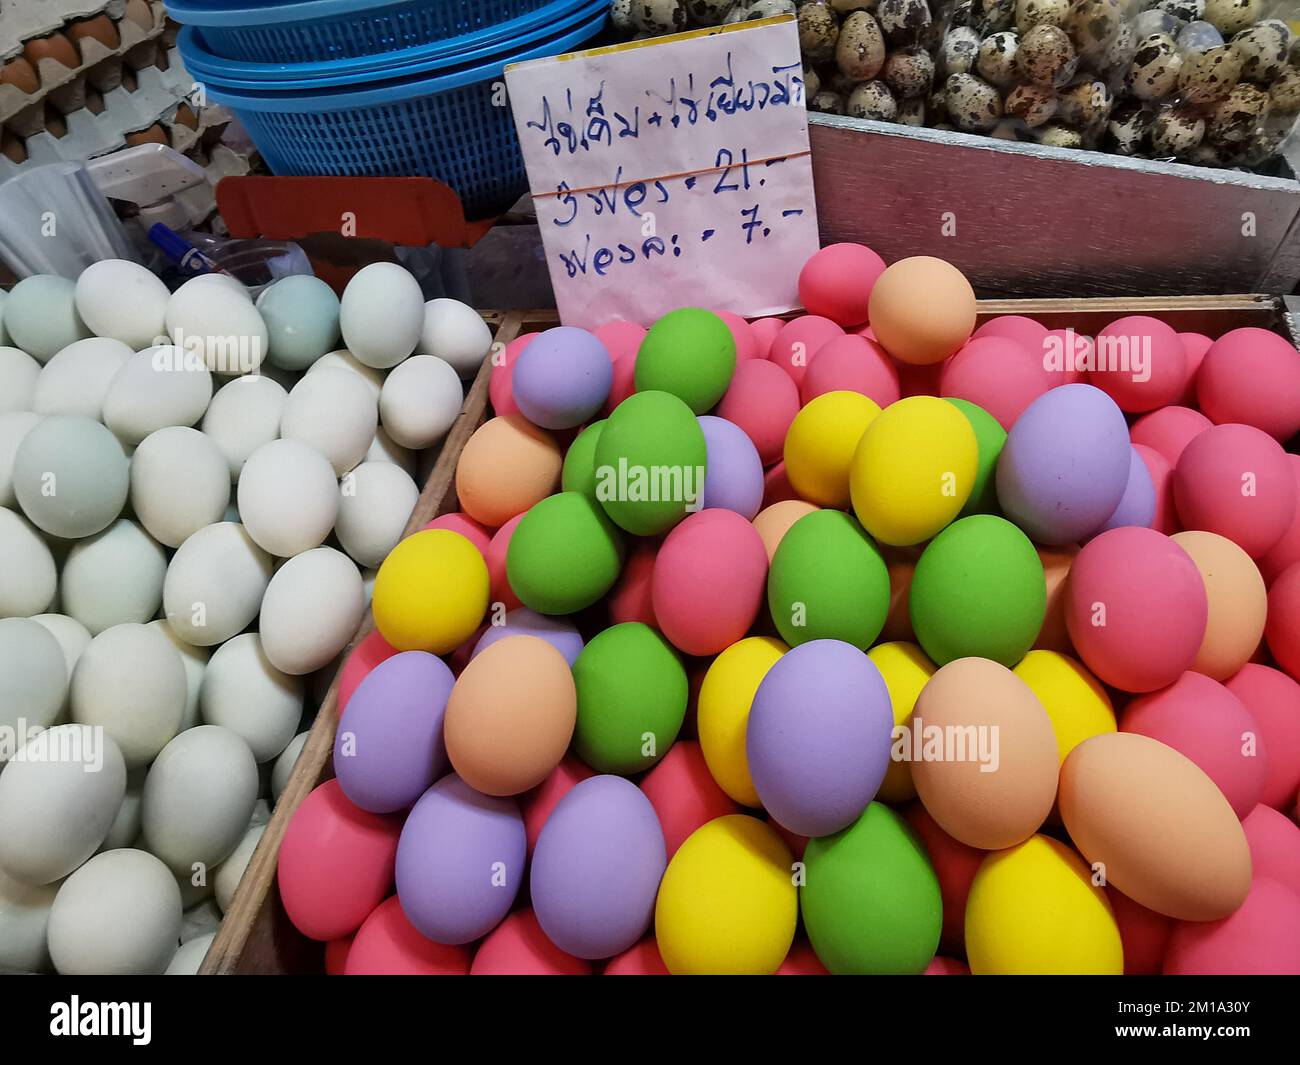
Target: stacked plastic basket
[391,87]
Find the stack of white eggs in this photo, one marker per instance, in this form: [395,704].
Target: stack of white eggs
[188,535]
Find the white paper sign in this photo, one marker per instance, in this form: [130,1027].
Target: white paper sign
[672,172]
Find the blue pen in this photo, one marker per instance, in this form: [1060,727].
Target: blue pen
[181,251]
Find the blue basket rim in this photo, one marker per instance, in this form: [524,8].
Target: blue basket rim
[241,13]
[399,90]
[201,61]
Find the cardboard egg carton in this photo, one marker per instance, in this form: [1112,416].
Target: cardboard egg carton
[24,19]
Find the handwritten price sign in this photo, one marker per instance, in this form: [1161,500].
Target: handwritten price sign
[671,172]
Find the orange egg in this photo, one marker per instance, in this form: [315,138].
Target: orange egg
[12,148]
[774,522]
[1155,826]
[1052,636]
[510,716]
[139,12]
[155,134]
[185,116]
[922,310]
[100,28]
[1238,602]
[56,46]
[984,756]
[20,73]
[506,466]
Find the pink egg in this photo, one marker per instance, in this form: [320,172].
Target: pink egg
[796,843]
[1144,934]
[763,400]
[387,944]
[1235,480]
[336,955]
[1000,375]
[631,599]
[499,590]
[1139,362]
[776,486]
[1200,718]
[918,380]
[941,966]
[801,961]
[536,805]
[1274,845]
[1014,327]
[708,581]
[1162,480]
[475,532]
[519,947]
[640,960]
[764,331]
[1252,376]
[459,658]
[620,338]
[335,864]
[372,650]
[1286,551]
[742,333]
[1135,608]
[1169,430]
[836,282]
[1261,939]
[684,793]
[955,865]
[1273,700]
[501,392]
[1066,352]
[1282,630]
[798,343]
[1195,345]
[865,331]
[852,363]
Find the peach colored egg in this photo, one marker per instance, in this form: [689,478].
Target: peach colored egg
[1162,483]
[1144,934]
[1262,938]
[510,716]
[1056,567]
[20,73]
[983,753]
[774,522]
[506,466]
[100,28]
[56,46]
[1156,825]
[1237,598]
[922,310]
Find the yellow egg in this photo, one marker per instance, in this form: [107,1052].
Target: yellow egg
[1034,910]
[727,903]
[725,698]
[913,470]
[1074,699]
[431,592]
[906,670]
[820,442]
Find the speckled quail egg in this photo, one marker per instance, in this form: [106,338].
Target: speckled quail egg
[847,7]
[1086,105]
[912,112]
[1183,10]
[974,105]
[1176,131]
[860,50]
[827,102]
[1120,53]
[739,13]
[620,13]
[996,62]
[1032,104]
[1284,93]
[812,82]
[1206,154]
[659,16]
[840,84]
[1093,25]
[1152,21]
[1156,66]
[904,21]
[709,12]
[1263,49]
[1233,16]
[1128,128]
[1198,36]
[1046,56]
[819,30]
[766,9]
[1031,13]
[909,73]
[872,99]
[1055,135]
[1238,117]
[1208,77]
[992,16]
[937,102]
[961,48]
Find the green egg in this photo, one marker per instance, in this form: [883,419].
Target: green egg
[828,581]
[989,437]
[579,474]
[564,555]
[978,592]
[650,463]
[870,899]
[691,353]
[632,693]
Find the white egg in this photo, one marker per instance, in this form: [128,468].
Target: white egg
[195,661]
[311,610]
[283,769]
[130,681]
[41,315]
[421,400]
[58,797]
[28,579]
[189,956]
[196,889]
[24,917]
[118,915]
[375,501]
[383,448]
[125,830]
[345,360]
[71,476]
[180,483]
[455,332]
[381,314]
[156,388]
[288,497]
[302,319]
[244,415]
[33,677]
[14,425]
[76,379]
[243,692]
[113,577]
[4,333]
[232,870]
[18,374]
[333,412]
[72,635]
[197,799]
[122,300]
[368,583]
[214,584]
[221,325]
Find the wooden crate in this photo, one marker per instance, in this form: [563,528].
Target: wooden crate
[256,936]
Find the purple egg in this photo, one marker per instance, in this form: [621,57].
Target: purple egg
[558,631]
[1065,465]
[1137,506]
[734,473]
[388,748]
[460,861]
[562,378]
[819,736]
[596,868]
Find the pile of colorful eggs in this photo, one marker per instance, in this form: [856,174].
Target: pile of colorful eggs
[866,642]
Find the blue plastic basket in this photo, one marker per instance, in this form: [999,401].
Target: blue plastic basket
[313,31]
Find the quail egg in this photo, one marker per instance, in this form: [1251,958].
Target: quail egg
[872,99]
[1233,16]
[1183,10]
[903,21]
[861,48]
[659,16]
[1031,13]
[1032,104]
[1128,128]
[827,102]
[1176,131]
[1086,105]
[992,16]
[812,82]
[1121,51]
[909,73]
[620,13]
[767,9]
[961,48]
[1046,56]
[1239,116]
[1155,21]
[819,30]
[1208,77]
[974,105]
[1055,135]
[847,7]
[1156,66]
[1263,49]
[709,12]
[911,112]
[996,62]
[1284,93]
[1093,25]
